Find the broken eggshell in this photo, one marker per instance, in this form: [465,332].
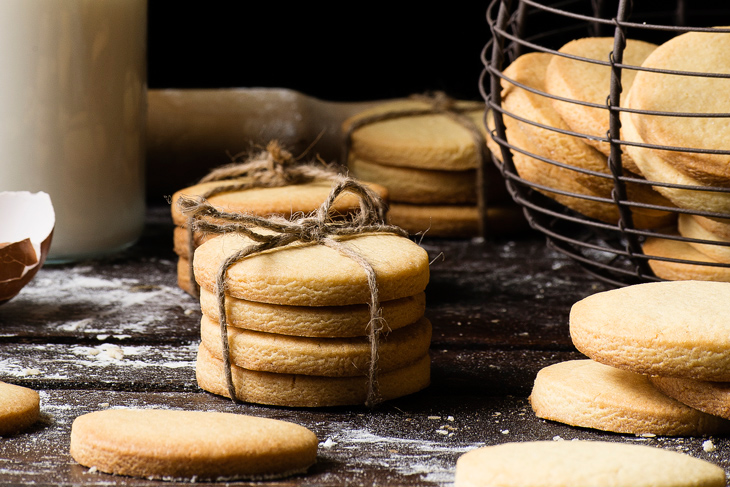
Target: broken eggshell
[26,230]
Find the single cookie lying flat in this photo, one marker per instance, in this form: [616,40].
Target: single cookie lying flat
[592,395]
[431,141]
[281,200]
[19,408]
[456,220]
[313,274]
[330,357]
[583,463]
[313,321]
[293,390]
[420,186]
[673,328]
[169,444]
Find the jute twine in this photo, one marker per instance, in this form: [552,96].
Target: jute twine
[272,167]
[318,228]
[438,104]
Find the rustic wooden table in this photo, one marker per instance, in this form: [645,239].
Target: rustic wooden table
[118,332]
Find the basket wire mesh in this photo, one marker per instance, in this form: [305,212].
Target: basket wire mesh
[611,252]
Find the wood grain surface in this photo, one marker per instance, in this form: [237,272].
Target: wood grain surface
[117,332]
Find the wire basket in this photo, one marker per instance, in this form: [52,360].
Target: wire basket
[613,252]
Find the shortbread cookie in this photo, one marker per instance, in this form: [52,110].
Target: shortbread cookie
[672,328]
[720,227]
[420,186]
[585,81]
[432,141]
[688,226]
[313,321]
[654,167]
[184,279]
[306,390]
[327,357]
[589,394]
[282,200]
[698,266]
[456,220]
[19,408]
[181,241]
[583,463]
[530,70]
[693,52]
[314,274]
[710,397]
[191,445]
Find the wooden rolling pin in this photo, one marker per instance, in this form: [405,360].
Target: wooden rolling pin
[191,131]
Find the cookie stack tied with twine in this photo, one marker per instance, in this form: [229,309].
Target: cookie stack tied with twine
[679,136]
[269,182]
[658,362]
[322,310]
[430,153]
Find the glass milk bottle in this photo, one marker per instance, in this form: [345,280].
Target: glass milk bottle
[73,84]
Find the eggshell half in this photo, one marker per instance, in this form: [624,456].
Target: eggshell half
[27,221]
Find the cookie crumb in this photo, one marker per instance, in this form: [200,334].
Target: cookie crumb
[708,446]
[328,443]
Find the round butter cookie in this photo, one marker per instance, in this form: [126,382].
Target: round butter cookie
[710,397]
[313,321]
[191,445]
[577,78]
[672,328]
[584,463]
[655,168]
[455,220]
[327,357]
[313,274]
[282,200]
[431,141]
[699,268]
[693,52]
[422,186]
[530,70]
[589,394]
[180,241]
[688,226]
[19,408]
[183,276]
[293,390]
[720,227]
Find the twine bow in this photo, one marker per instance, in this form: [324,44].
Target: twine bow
[438,103]
[319,228]
[273,167]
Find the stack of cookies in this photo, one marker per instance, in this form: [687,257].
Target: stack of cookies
[431,164]
[700,179]
[284,201]
[298,321]
[556,148]
[658,362]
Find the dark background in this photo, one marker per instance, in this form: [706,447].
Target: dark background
[341,52]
